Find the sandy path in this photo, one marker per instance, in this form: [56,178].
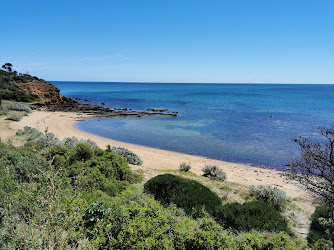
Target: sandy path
[62,124]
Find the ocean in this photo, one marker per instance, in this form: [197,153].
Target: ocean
[244,123]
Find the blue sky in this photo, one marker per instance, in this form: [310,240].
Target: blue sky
[258,41]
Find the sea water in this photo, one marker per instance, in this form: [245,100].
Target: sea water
[245,123]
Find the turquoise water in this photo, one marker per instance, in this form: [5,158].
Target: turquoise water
[244,123]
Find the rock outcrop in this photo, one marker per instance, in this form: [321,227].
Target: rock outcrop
[47,93]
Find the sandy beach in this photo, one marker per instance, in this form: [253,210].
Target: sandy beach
[62,125]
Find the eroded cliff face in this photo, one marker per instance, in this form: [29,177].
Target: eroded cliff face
[46,92]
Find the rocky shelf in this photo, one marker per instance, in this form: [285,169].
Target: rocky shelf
[69,105]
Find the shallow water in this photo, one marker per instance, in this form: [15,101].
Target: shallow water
[244,123]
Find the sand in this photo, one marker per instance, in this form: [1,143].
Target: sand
[62,124]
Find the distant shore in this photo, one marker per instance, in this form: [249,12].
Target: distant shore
[62,125]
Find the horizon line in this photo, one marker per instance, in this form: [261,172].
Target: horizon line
[196,82]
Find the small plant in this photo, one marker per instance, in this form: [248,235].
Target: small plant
[271,195]
[130,156]
[14,117]
[184,167]
[215,172]
[18,106]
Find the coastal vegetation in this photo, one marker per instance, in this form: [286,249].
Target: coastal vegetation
[271,195]
[214,172]
[130,156]
[9,88]
[187,194]
[184,167]
[82,197]
[314,168]
[320,226]
[72,194]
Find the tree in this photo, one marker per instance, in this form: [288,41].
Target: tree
[314,168]
[7,67]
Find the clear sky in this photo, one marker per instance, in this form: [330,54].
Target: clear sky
[259,41]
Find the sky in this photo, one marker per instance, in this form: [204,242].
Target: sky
[209,41]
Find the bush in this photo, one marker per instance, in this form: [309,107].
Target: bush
[96,168]
[250,215]
[271,195]
[14,117]
[29,130]
[49,139]
[137,221]
[73,142]
[184,167]
[318,229]
[18,106]
[215,172]
[22,166]
[323,244]
[130,156]
[83,152]
[187,194]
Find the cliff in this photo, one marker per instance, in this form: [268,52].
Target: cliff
[27,88]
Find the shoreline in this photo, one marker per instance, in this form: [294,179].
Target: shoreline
[62,125]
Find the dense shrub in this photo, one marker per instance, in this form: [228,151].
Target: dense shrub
[323,244]
[83,152]
[250,215]
[18,106]
[187,194]
[54,212]
[23,166]
[99,169]
[318,228]
[130,156]
[17,95]
[184,167]
[272,195]
[215,172]
[14,117]
[136,221]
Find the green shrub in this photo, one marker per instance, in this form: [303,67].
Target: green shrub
[323,244]
[99,169]
[272,195]
[83,152]
[184,167]
[318,229]
[137,221]
[186,194]
[18,106]
[14,117]
[23,166]
[130,156]
[96,212]
[250,215]
[215,172]
[17,95]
